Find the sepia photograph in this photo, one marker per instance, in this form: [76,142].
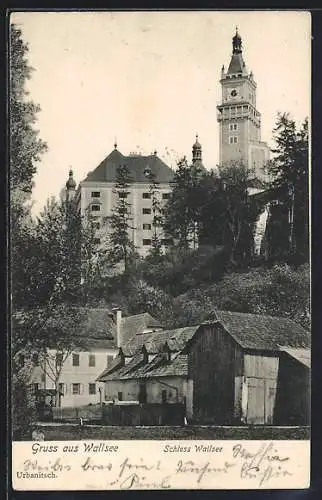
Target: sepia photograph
[160,247]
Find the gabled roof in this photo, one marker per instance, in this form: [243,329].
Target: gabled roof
[301,355]
[259,332]
[137,361]
[137,324]
[153,342]
[137,165]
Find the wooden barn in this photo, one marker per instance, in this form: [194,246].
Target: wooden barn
[293,390]
[234,369]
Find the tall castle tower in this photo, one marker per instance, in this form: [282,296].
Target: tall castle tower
[239,120]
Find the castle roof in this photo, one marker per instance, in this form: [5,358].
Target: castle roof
[139,167]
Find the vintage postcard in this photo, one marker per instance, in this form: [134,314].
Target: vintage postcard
[160,253]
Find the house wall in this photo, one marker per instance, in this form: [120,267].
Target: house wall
[129,389]
[293,393]
[108,199]
[175,388]
[214,361]
[82,374]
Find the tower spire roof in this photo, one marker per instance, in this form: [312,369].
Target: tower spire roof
[71,184]
[237,64]
[237,43]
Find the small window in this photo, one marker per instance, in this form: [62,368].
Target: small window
[120,396]
[75,359]
[96,208]
[146,196]
[164,395]
[146,211]
[146,242]
[165,196]
[61,388]
[122,194]
[21,360]
[167,241]
[91,360]
[59,359]
[233,126]
[97,241]
[96,194]
[147,226]
[109,360]
[233,139]
[92,388]
[96,225]
[76,388]
[36,387]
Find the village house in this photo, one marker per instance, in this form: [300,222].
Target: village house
[101,334]
[233,369]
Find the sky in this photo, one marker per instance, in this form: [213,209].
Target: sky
[150,80]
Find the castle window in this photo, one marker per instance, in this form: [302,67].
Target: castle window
[147,226]
[96,208]
[75,359]
[146,242]
[96,194]
[76,388]
[146,196]
[146,211]
[92,388]
[165,196]
[233,126]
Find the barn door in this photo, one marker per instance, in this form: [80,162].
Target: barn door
[255,401]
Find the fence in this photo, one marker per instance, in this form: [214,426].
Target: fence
[143,414]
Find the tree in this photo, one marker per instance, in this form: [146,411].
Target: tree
[26,148]
[157,216]
[229,213]
[182,209]
[120,242]
[289,171]
[50,334]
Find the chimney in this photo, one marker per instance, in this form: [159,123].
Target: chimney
[117,316]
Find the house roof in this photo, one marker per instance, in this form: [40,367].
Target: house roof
[259,332]
[159,366]
[153,342]
[137,165]
[300,354]
[178,367]
[138,360]
[96,328]
[135,325]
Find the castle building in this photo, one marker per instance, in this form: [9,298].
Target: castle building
[96,195]
[239,120]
